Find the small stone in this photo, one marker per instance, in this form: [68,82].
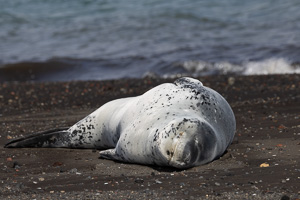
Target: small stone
[41,179]
[285,197]
[231,80]
[74,170]
[57,164]
[16,165]
[264,165]
[280,127]
[139,180]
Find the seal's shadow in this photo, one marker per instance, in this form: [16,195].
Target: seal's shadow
[224,156]
[154,167]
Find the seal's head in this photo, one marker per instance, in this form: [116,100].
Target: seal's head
[185,143]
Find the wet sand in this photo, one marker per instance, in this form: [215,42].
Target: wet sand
[261,163]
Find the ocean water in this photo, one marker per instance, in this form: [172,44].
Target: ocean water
[57,40]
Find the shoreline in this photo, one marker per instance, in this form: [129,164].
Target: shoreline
[267,111]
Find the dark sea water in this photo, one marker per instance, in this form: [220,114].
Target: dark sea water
[56,40]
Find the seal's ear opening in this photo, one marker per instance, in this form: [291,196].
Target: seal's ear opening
[50,138]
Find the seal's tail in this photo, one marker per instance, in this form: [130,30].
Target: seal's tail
[52,138]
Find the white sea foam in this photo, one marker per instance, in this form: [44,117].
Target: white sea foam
[207,68]
[271,66]
[267,66]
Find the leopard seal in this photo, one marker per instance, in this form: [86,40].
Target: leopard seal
[181,124]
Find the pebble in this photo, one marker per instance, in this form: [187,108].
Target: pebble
[285,197]
[139,180]
[231,80]
[74,170]
[182,184]
[16,165]
[9,159]
[41,179]
[264,165]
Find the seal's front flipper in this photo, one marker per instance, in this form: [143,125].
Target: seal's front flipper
[110,154]
[51,138]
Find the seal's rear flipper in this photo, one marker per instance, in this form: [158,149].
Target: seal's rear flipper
[110,154]
[51,138]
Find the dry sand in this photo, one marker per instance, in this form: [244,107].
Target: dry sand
[261,163]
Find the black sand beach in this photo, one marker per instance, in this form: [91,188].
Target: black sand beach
[261,163]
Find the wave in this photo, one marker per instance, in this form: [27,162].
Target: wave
[263,67]
[271,66]
[136,67]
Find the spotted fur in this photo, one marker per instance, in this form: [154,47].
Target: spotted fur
[181,124]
